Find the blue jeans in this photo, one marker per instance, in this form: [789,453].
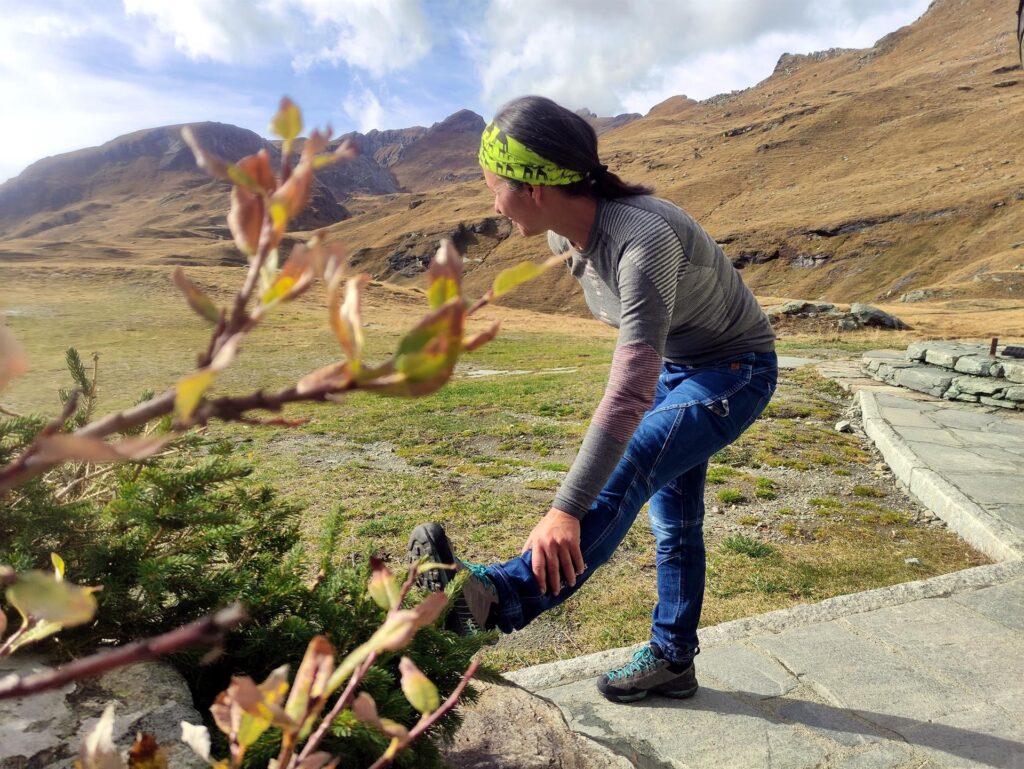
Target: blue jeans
[697,411]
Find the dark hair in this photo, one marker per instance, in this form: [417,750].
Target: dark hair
[567,140]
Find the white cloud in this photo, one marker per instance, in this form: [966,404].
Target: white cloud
[377,36]
[55,105]
[616,55]
[365,109]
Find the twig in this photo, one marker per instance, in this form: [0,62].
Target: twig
[426,723]
[83,478]
[18,465]
[9,413]
[208,630]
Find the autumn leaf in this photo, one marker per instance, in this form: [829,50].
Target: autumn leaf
[444,275]
[38,596]
[58,567]
[190,391]
[365,710]
[337,376]
[346,317]
[217,166]
[309,689]
[509,279]
[245,220]
[296,276]
[145,753]
[417,688]
[197,300]
[383,588]
[287,123]
[479,340]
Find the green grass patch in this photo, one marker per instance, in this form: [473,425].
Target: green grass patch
[748,546]
[730,496]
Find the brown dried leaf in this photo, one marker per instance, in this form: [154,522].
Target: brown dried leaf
[257,167]
[245,220]
[479,340]
[334,377]
[13,361]
[145,753]
[346,317]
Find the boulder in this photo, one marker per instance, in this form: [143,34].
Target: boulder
[510,728]
[46,729]
[866,315]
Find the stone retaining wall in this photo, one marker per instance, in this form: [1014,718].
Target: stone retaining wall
[954,371]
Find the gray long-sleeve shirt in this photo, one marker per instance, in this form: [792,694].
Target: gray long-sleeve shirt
[651,271]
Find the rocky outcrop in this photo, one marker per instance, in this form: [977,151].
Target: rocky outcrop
[533,734]
[858,316]
[46,730]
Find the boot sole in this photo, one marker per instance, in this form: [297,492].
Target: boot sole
[677,694]
[430,539]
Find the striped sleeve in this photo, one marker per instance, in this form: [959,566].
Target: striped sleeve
[647,277]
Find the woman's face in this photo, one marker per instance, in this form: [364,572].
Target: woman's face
[518,205]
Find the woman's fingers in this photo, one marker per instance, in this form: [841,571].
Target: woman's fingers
[552,563]
[540,569]
[565,557]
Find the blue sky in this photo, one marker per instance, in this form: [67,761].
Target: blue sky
[76,74]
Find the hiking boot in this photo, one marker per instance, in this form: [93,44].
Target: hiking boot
[648,673]
[471,606]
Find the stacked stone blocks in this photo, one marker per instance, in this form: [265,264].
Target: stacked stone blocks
[955,371]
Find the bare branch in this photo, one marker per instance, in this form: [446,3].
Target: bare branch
[208,630]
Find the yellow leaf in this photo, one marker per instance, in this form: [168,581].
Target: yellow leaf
[279,215]
[515,276]
[384,589]
[39,597]
[418,689]
[287,123]
[308,691]
[444,275]
[58,566]
[190,392]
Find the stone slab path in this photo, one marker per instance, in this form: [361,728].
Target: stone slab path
[926,675]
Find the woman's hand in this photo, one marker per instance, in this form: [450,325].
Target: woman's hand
[555,542]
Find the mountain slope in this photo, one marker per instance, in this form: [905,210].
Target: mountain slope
[847,175]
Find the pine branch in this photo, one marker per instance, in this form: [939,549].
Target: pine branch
[209,630]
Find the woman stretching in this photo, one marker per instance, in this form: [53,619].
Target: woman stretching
[693,367]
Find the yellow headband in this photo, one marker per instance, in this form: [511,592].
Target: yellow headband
[504,156]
